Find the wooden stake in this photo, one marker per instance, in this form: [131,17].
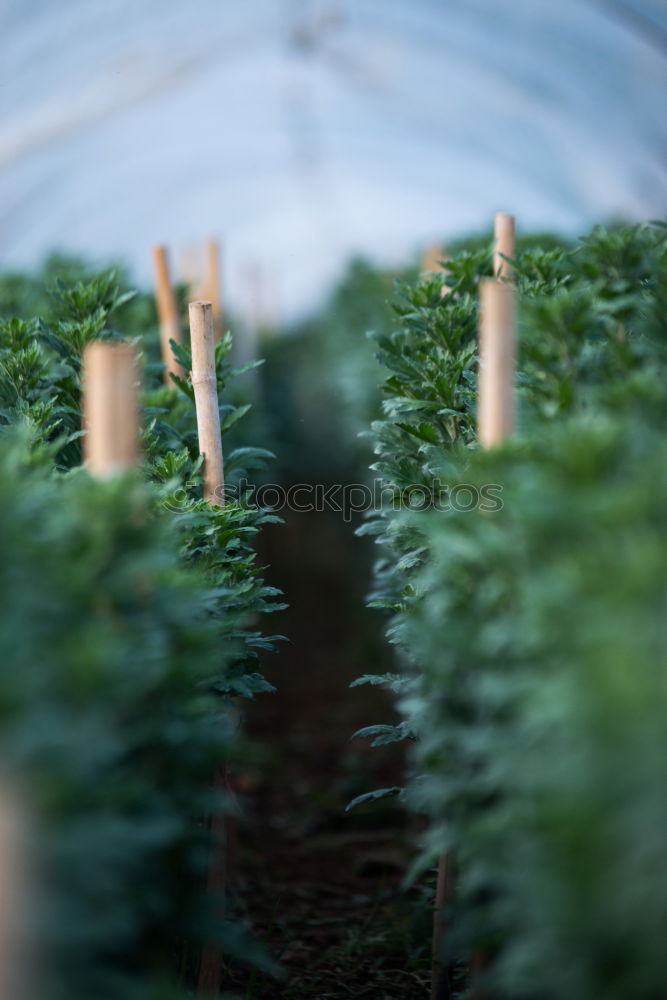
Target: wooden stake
[432,259]
[497,337]
[444,893]
[205,384]
[433,262]
[504,245]
[14,902]
[110,408]
[167,309]
[213,285]
[204,381]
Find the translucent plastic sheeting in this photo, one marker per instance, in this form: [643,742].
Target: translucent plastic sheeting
[302,132]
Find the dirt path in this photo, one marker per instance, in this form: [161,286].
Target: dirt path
[321,886]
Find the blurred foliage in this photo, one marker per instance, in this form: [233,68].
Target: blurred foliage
[529,637]
[111,728]
[319,386]
[131,628]
[25,295]
[538,632]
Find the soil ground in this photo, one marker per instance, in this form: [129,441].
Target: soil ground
[322,887]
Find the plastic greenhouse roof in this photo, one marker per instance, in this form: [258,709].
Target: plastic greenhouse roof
[302,132]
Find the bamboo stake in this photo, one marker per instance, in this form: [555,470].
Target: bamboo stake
[433,262]
[14,962]
[444,892]
[432,259]
[167,308]
[497,336]
[204,382]
[213,285]
[110,408]
[504,245]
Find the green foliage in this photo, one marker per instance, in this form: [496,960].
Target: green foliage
[40,361]
[530,637]
[374,796]
[111,728]
[539,634]
[132,625]
[40,384]
[585,343]
[39,293]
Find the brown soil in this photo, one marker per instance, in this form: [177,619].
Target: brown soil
[321,887]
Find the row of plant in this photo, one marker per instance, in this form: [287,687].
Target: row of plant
[131,624]
[530,639]
[320,383]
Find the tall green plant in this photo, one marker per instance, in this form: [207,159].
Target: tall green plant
[111,727]
[470,595]
[143,604]
[538,632]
